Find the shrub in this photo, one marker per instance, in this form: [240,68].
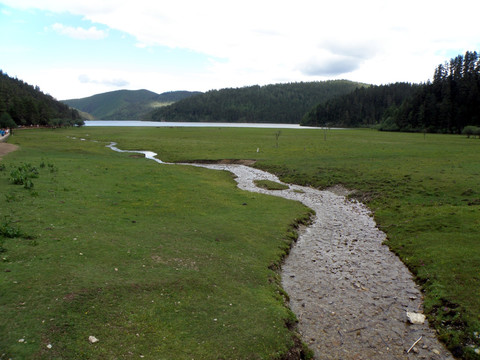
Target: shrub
[23,174]
[9,231]
[471,131]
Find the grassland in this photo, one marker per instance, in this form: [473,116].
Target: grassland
[115,246]
[157,261]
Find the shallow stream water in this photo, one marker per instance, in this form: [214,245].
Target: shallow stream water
[349,292]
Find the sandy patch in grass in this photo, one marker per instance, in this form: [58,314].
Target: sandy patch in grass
[6,148]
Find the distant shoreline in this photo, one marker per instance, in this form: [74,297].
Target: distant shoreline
[193,124]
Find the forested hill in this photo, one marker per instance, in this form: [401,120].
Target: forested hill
[126,104]
[362,107]
[449,104]
[24,104]
[277,103]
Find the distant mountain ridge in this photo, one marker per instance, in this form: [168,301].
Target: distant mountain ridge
[275,103]
[126,104]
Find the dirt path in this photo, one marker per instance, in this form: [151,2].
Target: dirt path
[349,292]
[5,148]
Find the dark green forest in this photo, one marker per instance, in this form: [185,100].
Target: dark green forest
[22,104]
[449,104]
[362,107]
[277,103]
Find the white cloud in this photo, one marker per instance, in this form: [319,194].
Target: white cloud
[331,66]
[91,33]
[258,42]
[115,81]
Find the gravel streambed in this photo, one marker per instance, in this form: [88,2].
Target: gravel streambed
[350,293]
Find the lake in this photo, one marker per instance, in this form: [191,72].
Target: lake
[192,124]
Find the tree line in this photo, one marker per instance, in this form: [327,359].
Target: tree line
[448,104]
[276,103]
[361,108]
[22,104]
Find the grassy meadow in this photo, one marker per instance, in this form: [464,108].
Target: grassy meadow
[166,261]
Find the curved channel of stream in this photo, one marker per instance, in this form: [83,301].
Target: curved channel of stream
[350,293]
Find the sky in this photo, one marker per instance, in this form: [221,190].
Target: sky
[74,49]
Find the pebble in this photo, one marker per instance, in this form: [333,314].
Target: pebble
[415,318]
[92,339]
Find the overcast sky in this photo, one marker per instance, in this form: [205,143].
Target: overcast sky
[74,49]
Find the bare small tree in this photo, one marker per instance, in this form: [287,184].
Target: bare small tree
[277,135]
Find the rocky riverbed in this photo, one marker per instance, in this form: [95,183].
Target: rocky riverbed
[351,294]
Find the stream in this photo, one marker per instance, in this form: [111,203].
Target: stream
[350,293]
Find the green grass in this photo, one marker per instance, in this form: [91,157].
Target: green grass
[270,185]
[424,192]
[154,260]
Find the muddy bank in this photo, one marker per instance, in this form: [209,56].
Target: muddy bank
[349,292]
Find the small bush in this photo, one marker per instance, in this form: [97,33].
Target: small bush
[23,174]
[52,168]
[471,131]
[28,184]
[10,198]
[9,231]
